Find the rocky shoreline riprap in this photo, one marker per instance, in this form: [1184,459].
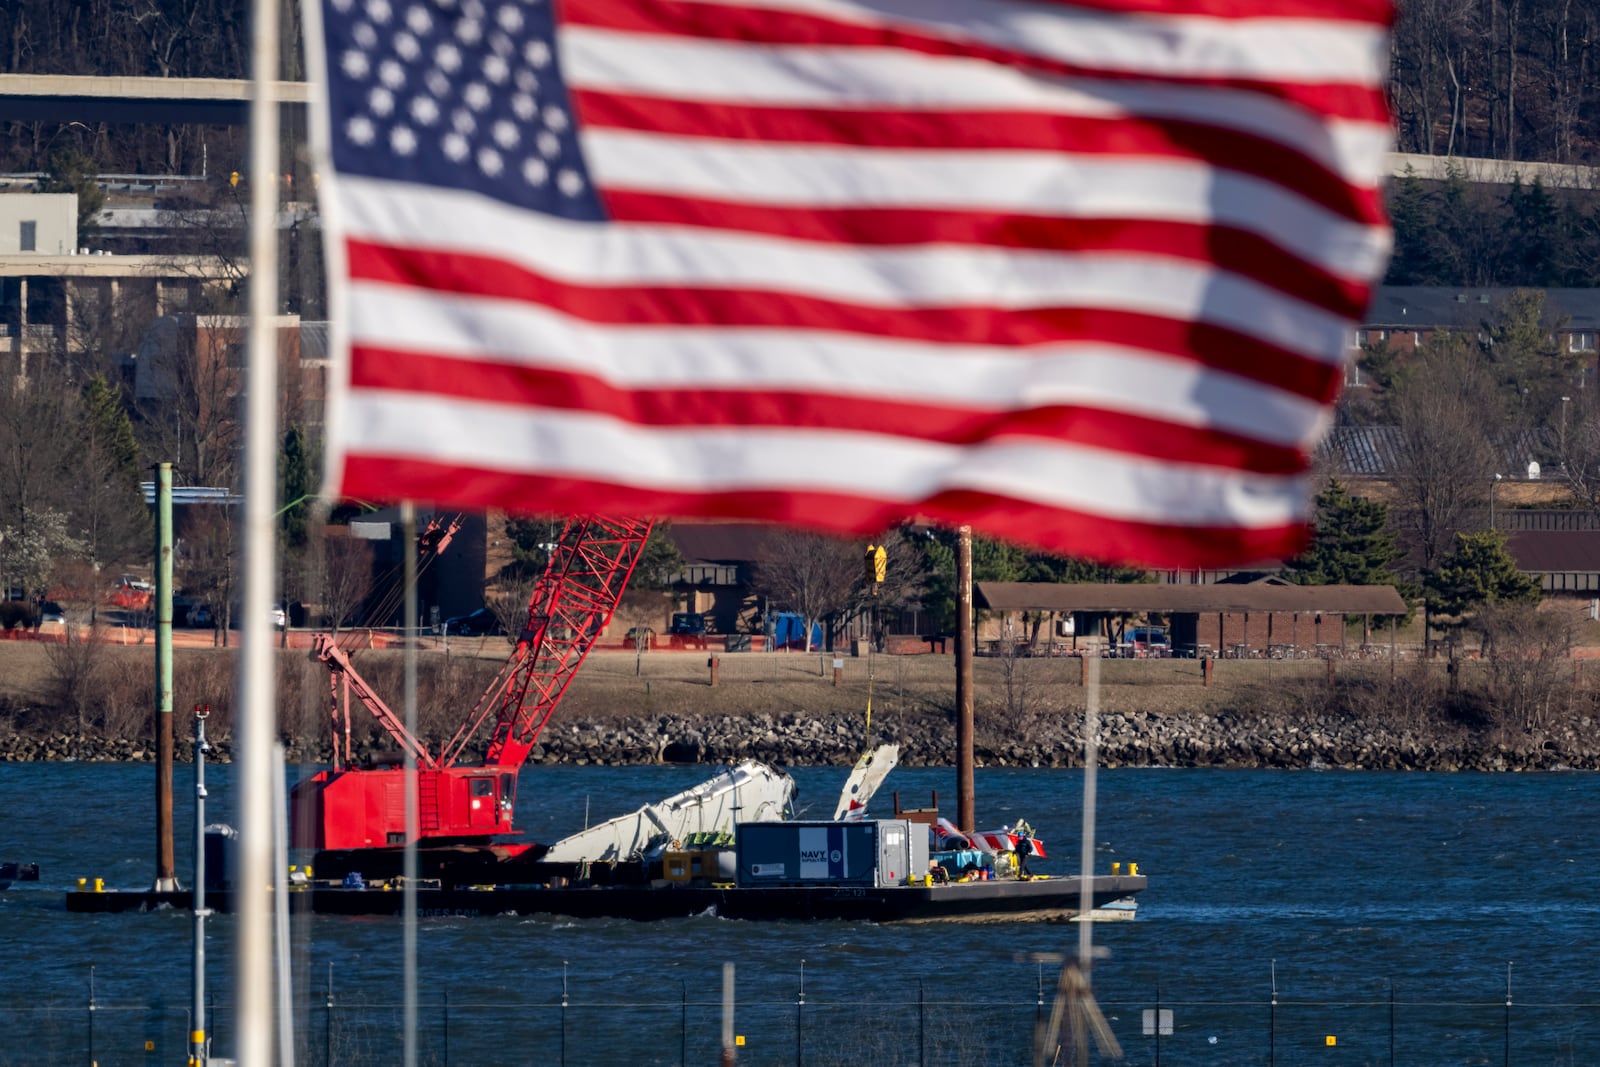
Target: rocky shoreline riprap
[1227,739]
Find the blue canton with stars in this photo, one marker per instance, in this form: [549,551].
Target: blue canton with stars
[465,94]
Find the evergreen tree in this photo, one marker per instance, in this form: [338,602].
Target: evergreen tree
[997,561]
[70,171]
[107,425]
[1413,215]
[529,534]
[297,485]
[1532,369]
[660,562]
[1477,571]
[1463,249]
[1352,545]
[992,561]
[108,513]
[1536,236]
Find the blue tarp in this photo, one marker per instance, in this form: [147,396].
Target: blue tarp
[785,629]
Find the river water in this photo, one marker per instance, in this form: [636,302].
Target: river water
[1293,917]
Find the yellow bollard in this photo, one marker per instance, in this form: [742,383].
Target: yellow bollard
[99,885]
[83,883]
[1133,870]
[1116,869]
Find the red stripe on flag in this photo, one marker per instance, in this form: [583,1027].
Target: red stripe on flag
[1212,345]
[1061,530]
[769,26]
[1238,251]
[482,380]
[1374,12]
[1129,137]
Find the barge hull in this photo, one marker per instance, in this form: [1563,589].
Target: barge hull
[1002,900]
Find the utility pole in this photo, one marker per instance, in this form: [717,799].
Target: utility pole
[166,865]
[965,819]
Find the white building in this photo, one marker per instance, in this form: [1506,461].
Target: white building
[44,223]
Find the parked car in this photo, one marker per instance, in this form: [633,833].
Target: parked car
[202,615]
[688,623]
[1150,640]
[476,624]
[50,613]
[131,593]
[687,630]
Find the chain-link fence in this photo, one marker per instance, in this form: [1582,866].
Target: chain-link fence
[910,1022]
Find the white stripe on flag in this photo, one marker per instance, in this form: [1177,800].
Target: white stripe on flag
[700,459]
[974,377]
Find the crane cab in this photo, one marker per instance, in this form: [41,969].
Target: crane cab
[367,808]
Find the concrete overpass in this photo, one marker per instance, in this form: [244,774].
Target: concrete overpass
[226,102]
[196,101]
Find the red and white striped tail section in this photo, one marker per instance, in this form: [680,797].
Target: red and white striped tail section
[1004,841]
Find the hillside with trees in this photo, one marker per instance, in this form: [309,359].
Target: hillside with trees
[1498,79]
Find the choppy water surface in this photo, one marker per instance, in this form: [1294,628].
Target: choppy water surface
[1388,911]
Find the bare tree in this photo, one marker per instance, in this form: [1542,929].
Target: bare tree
[816,576]
[509,602]
[642,613]
[207,549]
[346,577]
[37,454]
[1441,405]
[1579,449]
[188,390]
[1529,659]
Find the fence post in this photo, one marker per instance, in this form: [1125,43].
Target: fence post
[327,1029]
[729,1056]
[800,1018]
[922,1027]
[1157,1026]
[1038,1011]
[1508,1013]
[1272,1020]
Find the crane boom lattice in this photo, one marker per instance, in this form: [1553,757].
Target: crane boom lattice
[571,604]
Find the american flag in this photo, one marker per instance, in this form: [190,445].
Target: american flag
[1081,275]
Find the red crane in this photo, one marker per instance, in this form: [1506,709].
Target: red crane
[461,802]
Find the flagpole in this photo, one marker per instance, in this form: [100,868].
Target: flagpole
[408,627]
[1091,752]
[253,969]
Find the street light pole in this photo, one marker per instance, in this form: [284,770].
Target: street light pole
[1563,441]
[1492,487]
